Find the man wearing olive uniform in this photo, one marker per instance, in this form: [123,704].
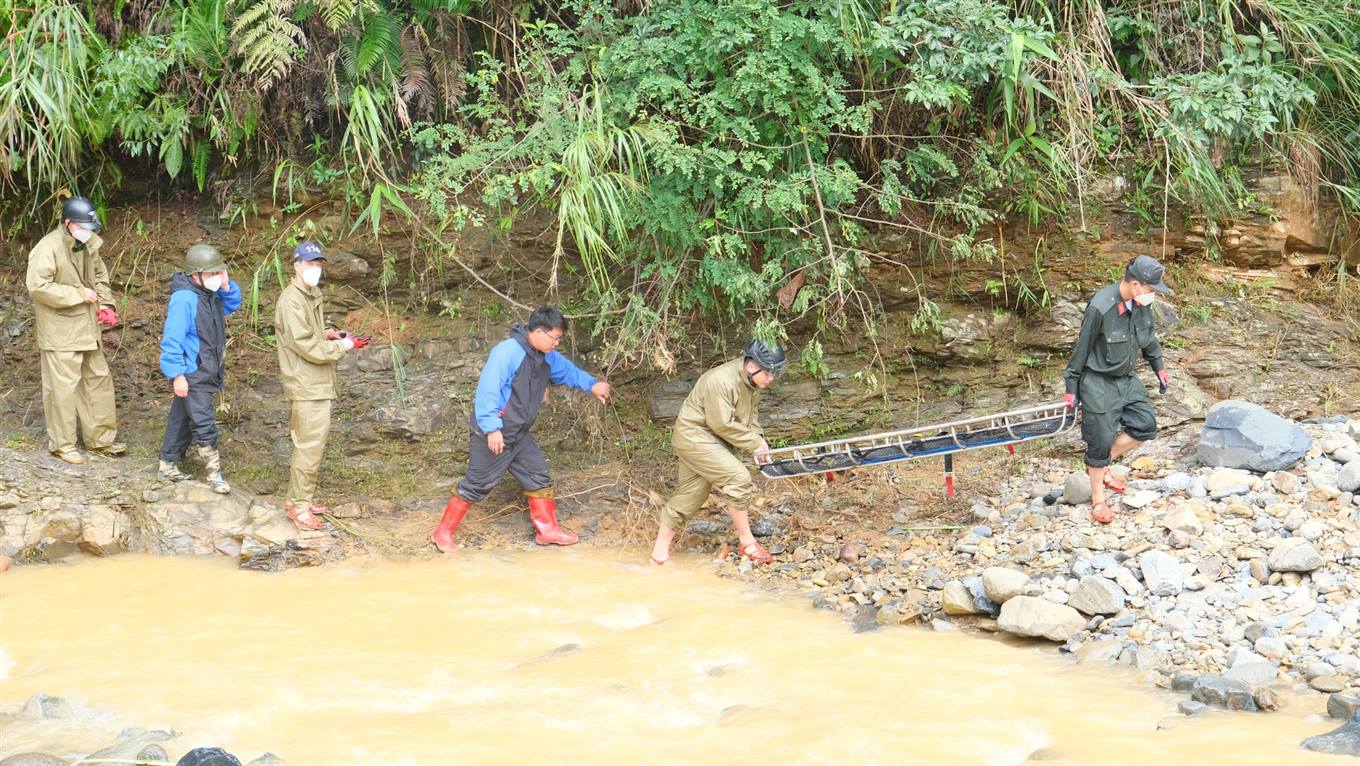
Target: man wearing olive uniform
[69,285]
[1117,327]
[717,419]
[307,356]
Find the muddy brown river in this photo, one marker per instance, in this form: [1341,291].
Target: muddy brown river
[549,657]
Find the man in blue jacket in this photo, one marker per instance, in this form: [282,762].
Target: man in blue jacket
[193,359]
[513,384]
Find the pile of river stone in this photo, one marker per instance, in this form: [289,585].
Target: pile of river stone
[1231,569]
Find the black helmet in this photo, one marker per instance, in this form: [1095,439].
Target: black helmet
[769,359]
[80,210]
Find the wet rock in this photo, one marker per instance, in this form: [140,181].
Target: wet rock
[981,603]
[1183,681]
[1104,651]
[33,759]
[1343,705]
[866,619]
[1344,740]
[1191,707]
[1265,699]
[956,599]
[1327,684]
[42,707]
[1240,434]
[1097,595]
[1221,692]
[1031,616]
[1161,573]
[153,753]
[1294,554]
[291,554]
[130,743]
[1001,584]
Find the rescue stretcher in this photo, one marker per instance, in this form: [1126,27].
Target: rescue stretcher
[1005,429]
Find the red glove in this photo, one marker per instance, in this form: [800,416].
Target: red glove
[360,340]
[1163,381]
[1070,400]
[107,316]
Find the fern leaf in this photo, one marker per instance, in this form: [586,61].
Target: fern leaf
[266,39]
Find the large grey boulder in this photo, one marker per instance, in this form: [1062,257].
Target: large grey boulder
[1341,741]
[1239,434]
[1033,616]
[1001,584]
[1097,595]
[1222,692]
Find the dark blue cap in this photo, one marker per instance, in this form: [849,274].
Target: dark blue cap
[308,251]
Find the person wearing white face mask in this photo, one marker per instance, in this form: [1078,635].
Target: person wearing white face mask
[307,356]
[72,302]
[193,359]
[1118,326]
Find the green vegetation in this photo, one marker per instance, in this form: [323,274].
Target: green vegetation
[724,157]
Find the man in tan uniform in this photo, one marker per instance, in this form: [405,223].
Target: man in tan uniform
[718,418]
[307,356]
[69,285]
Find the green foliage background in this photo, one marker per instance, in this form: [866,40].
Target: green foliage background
[696,154]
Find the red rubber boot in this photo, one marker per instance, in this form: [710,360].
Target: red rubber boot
[543,512]
[453,516]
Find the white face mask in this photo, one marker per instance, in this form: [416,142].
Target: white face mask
[312,277]
[80,233]
[213,283]
[1145,299]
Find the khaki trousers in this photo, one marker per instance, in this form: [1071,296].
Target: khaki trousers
[77,389]
[310,425]
[703,467]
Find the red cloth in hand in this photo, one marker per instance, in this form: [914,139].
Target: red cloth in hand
[107,316]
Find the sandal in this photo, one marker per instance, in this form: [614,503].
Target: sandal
[755,552]
[1101,513]
[1114,484]
[306,518]
[662,562]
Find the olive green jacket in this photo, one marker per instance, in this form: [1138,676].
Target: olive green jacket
[720,410]
[306,358]
[58,275]
[1101,369]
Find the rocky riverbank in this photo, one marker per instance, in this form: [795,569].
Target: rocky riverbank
[1229,584]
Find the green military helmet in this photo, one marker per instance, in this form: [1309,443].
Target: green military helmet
[203,258]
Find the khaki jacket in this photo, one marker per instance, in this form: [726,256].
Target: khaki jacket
[720,411]
[306,358]
[58,275]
